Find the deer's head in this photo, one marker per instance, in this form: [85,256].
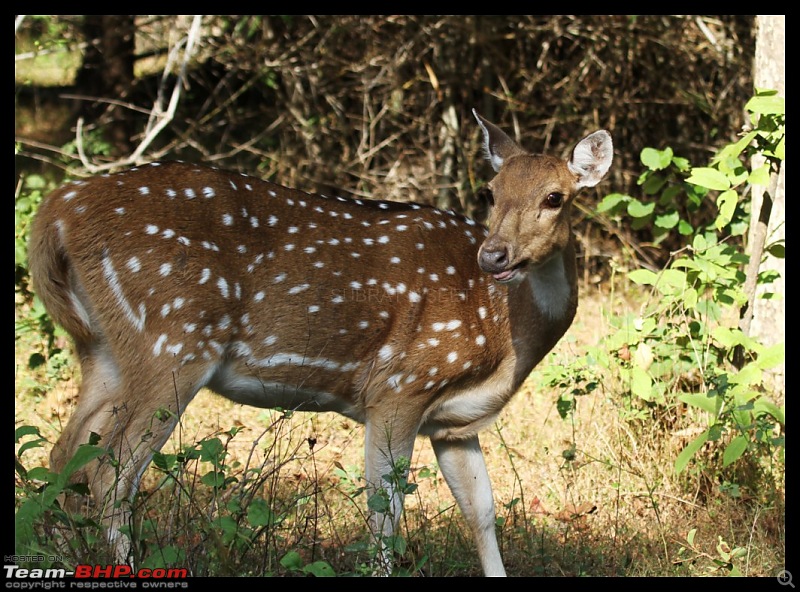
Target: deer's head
[532,196]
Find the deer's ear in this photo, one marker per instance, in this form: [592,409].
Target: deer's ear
[497,146]
[591,159]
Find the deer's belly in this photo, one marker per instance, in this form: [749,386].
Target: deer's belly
[266,392]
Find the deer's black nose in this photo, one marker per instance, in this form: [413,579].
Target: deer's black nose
[493,258]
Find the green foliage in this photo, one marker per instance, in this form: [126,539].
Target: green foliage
[292,561]
[32,320]
[725,560]
[36,497]
[31,190]
[680,352]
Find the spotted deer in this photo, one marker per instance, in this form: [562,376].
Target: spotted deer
[175,277]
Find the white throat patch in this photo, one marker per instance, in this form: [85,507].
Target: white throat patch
[551,288]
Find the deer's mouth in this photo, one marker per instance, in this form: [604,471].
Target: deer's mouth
[510,274]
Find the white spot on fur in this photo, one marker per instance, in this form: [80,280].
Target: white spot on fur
[110,274]
[385,353]
[159,344]
[222,284]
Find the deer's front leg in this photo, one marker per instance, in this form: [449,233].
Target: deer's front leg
[464,469]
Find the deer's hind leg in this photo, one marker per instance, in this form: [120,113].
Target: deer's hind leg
[134,415]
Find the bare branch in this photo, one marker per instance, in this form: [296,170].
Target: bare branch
[159,118]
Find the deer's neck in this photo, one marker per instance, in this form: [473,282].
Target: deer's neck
[540,309]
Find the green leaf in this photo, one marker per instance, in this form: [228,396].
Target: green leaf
[292,560]
[771,356]
[40,474]
[749,374]
[653,184]
[760,406]
[690,536]
[682,164]
[35,182]
[320,569]
[671,282]
[735,149]
[780,149]
[759,176]
[734,450]
[726,202]
[727,337]
[259,513]
[699,244]
[777,250]
[211,449]
[767,105]
[164,557]
[637,209]
[215,479]
[704,402]
[667,220]
[29,445]
[25,430]
[378,502]
[684,228]
[656,159]
[709,178]
[641,383]
[612,201]
[85,454]
[687,453]
[643,277]
[690,298]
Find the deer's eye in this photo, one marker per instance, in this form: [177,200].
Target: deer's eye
[554,200]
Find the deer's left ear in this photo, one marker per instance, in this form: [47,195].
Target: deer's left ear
[592,158]
[496,144]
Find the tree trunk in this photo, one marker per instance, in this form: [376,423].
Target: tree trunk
[769,316]
[107,73]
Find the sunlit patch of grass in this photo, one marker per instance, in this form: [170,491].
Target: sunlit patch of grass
[55,65]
